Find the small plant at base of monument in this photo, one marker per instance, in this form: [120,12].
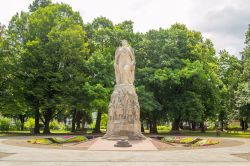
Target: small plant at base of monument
[58,140]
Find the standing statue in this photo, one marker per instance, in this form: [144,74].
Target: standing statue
[124,110]
[124,64]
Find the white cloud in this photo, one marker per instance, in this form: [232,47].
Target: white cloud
[224,22]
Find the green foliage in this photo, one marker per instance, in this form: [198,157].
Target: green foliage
[104,121]
[39,3]
[165,128]
[30,123]
[5,124]
[55,125]
[243,100]
[16,125]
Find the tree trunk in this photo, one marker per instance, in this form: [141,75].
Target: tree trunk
[47,118]
[150,125]
[73,125]
[147,124]
[202,127]
[98,122]
[37,126]
[193,126]
[22,118]
[78,120]
[244,125]
[221,125]
[181,125]
[83,122]
[175,125]
[142,127]
[153,129]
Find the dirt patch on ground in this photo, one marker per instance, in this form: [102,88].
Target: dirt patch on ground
[173,146]
[3,154]
[243,155]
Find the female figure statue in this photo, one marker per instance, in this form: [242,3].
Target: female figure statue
[124,64]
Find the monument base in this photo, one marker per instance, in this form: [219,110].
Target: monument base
[124,114]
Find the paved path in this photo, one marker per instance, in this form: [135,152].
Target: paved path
[25,156]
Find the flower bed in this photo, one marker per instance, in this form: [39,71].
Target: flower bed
[57,140]
[190,141]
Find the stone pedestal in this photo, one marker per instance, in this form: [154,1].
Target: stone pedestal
[124,114]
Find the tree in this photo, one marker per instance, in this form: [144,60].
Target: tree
[39,3]
[179,65]
[230,71]
[54,58]
[243,91]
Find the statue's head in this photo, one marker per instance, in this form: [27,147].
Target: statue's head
[124,43]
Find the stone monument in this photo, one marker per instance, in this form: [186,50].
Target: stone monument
[124,110]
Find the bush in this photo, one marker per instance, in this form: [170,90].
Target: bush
[16,125]
[210,125]
[163,127]
[5,124]
[30,123]
[55,125]
[104,121]
[233,126]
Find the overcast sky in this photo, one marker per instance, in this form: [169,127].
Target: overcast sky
[223,21]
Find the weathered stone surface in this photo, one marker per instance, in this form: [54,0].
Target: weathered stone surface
[124,109]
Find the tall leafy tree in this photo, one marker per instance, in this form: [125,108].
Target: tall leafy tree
[54,56]
[178,66]
[230,71]
[243,92]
